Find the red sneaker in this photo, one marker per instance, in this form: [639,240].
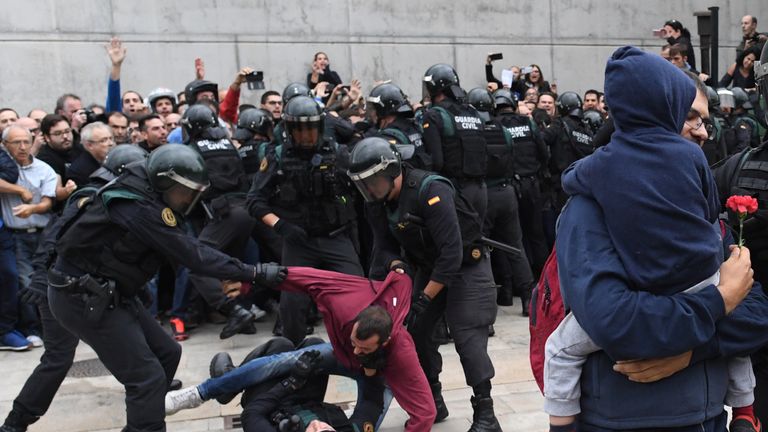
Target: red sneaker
[178,330]
[744,423]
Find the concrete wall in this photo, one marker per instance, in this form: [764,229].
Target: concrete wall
[49,47]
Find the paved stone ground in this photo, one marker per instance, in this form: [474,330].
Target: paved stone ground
[96,404]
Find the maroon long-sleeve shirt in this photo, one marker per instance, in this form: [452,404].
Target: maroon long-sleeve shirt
[340,298]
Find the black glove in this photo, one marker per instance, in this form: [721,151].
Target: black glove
[269,274]
[303,369]
[33,296]
[417,308]
[290,232]
[400,265]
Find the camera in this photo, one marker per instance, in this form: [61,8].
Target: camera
[92,117]
[495,56]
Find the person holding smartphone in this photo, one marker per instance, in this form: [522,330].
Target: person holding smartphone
[321,72]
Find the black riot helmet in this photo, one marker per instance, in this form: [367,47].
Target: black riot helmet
[198,86]
[761,77]
[569,104]
[304,123]
[178,172]
[373,167]
[713,98]
[593,120]
[480,98]
[740,98]
[295,89]
[505,99]
[387,99]
[251,122]
[442,78]
[196,120]
[121,155]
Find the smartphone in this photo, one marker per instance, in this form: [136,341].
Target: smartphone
[659,33]
[255,80]
[495,56]
[526,70]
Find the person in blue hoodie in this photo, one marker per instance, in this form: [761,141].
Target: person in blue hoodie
[625,281]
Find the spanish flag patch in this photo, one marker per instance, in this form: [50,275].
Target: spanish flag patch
[434,200]
[425,125]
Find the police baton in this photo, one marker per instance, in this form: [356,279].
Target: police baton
[484,240]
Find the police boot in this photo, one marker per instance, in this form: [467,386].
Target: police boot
[525,298]
[16,422]
[221,363]
[483,420]
[506,294]
[237,319]
[437,395]
[441,335]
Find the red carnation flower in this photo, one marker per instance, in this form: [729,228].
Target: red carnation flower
[742,205]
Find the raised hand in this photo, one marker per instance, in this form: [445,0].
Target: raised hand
[116,51]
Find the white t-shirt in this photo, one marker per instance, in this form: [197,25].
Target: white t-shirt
[38,178]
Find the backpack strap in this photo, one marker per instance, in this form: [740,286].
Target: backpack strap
[397,134]
[448,129]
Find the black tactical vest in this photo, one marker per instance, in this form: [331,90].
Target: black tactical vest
[95,245]
[526,161]
[574,142]
[464,153]
[251,156]
[225,168]
[317,187]
[499,148]
[406,137]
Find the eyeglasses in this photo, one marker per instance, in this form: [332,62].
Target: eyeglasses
[61,133]
[694,116]
[18,143]
[102,141]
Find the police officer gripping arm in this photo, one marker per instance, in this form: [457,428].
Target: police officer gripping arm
[112,248]
[414,211]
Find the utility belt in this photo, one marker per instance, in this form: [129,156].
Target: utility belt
[218,208]
[332,233]
[98,294]
[502,182]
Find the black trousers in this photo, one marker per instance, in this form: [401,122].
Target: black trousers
[325,253]
[469,305]
[474,190]
[138,352]
[37,394]
[531,223]
[228,233]
[502,224]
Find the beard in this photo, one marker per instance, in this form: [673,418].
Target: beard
[375,360]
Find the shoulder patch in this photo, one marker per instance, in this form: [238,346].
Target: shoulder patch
[425,125]
[168,217]
[264,165]
[81,202]
[367,427]
[434,200]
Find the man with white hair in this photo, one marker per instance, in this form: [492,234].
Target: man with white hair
[97,139]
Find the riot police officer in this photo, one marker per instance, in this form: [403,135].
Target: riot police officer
[744,123]
[415,212]
[453,135]
[392,115]
[502,223]
[301,191]
[529,164]
[111,248]
[289,92]
[198,90]
[721,140]
[223,218]
[59,344]
[254,133]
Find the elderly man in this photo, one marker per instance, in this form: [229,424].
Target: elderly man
[34,129]
[97,140]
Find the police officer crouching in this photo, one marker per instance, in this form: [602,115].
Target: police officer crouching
[415,211]
[301,192]
[223,218]
[502,222]
[112,248]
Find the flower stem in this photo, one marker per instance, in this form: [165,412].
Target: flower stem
[741,230]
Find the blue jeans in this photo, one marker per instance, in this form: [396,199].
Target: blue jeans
[261,369]
[26,245]
[9,282]
[179,293]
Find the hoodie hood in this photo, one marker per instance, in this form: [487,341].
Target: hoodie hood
[646,92]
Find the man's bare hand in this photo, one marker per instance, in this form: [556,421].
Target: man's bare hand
[24,210]
[321,89]
[116,51]
[231,288]
[70,186]
[26,196]
[240,77]
[199,69]
[355,90]
[647,371]
[736,277]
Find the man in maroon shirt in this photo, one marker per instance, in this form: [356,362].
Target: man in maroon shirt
[341,298]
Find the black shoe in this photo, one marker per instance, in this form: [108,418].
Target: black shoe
[505,295]
[221,363]
[8,428]
[483,419]
[249,329]
[237,320]
[437,395]
[16,422]
[277,330]
[175,385]
[526,306]
[491,331]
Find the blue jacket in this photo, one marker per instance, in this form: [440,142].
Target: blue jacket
[9,171]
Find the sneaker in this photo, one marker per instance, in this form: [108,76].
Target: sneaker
[13,341]
[745,423]
[178,329]
[257,312]
[178,400]
[35,341]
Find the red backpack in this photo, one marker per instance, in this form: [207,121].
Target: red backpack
[547,310]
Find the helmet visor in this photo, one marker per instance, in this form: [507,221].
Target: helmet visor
[372,183]
[304,135]
[727,100]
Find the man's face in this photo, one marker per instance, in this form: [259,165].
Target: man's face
[37,115]
[163,107]
[590,101]
[119,125]
[34,129]
[60,136]
[695,127]
[71,105]
[19,145]
[361,347]
[205,95]
[547,103]
[172,122]
[132,103]
[274,104]
[100,144]
[7,118]
[134,134]
[747,26]
[679,60]
[155,134]
[532,95]
[304,136]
